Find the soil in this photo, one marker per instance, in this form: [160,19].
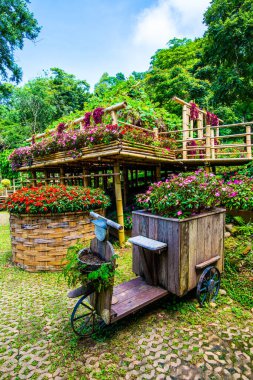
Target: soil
[90,258]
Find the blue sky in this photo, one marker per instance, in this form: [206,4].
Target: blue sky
[90,37]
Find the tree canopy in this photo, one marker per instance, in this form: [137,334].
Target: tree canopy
[17,23]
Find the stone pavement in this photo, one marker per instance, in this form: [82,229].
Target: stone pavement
[36,341]
[173,341]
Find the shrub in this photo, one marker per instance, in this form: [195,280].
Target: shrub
[56,199]
[183,195]
[236,194]
[6,183]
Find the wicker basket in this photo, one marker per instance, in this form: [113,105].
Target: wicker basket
[40,242]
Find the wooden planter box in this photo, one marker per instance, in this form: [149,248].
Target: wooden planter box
[191,242]
[40,242]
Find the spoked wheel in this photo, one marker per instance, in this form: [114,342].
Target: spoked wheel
[208,285]
[84,319]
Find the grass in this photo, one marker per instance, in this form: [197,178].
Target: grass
[35,315]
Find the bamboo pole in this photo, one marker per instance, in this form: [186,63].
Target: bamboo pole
[248,141]
[34,178]
[114,108]
[85,178]
[212,144]
[125,192]
[62,174]
[200,127]
[158,172]
[208,141]
[185,130]
[119,203]
[156,134]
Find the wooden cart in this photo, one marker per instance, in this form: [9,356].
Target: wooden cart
[95,309]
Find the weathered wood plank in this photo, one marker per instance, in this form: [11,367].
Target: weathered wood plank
[207,262]
[102,301]
[147,243]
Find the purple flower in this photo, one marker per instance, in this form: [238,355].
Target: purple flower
[217,194]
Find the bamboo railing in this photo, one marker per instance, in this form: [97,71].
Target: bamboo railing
[213,146]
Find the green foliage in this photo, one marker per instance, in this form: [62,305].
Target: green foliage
[174,71]
[228,48]
[30,109]
[237,279]
[74,271]
[16,24]
[5,167]
[6,182]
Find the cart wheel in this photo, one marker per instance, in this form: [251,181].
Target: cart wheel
[208,285]
[84,319]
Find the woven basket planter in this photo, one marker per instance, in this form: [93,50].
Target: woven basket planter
[40,242]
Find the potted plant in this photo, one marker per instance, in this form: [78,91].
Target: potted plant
[88,268]
[46,220]
[182,212]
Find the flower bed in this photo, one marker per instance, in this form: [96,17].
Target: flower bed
[56,199]
[182,196]
[45,221]
[73,140]
[189,194]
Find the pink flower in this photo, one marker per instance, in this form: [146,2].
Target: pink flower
[179,213]
[217,194]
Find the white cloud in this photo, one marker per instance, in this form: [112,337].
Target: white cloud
[166,19]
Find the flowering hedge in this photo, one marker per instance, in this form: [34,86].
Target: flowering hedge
[56,199]
[73,140]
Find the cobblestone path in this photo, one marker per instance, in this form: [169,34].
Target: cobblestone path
[168,341]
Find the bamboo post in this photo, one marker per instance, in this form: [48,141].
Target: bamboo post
[85,179]
[248,141]
[105,185]
[114,117]
[158,173]
[125,177]
[34,177]
[119,204]
[208,142]
[185,132]
[200,125]
[212,145]
[46,177]
[62,174]
[156,135]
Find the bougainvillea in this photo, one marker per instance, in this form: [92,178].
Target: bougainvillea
[86,119]
[60,128]
[56,199]
[194,111]
[212,119]
[97,115]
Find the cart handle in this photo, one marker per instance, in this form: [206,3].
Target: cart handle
[109,222]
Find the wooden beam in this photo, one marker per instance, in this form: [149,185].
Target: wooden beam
[119,203]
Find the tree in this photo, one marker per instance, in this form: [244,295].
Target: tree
[228,49]
[175,71]
[16,24]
